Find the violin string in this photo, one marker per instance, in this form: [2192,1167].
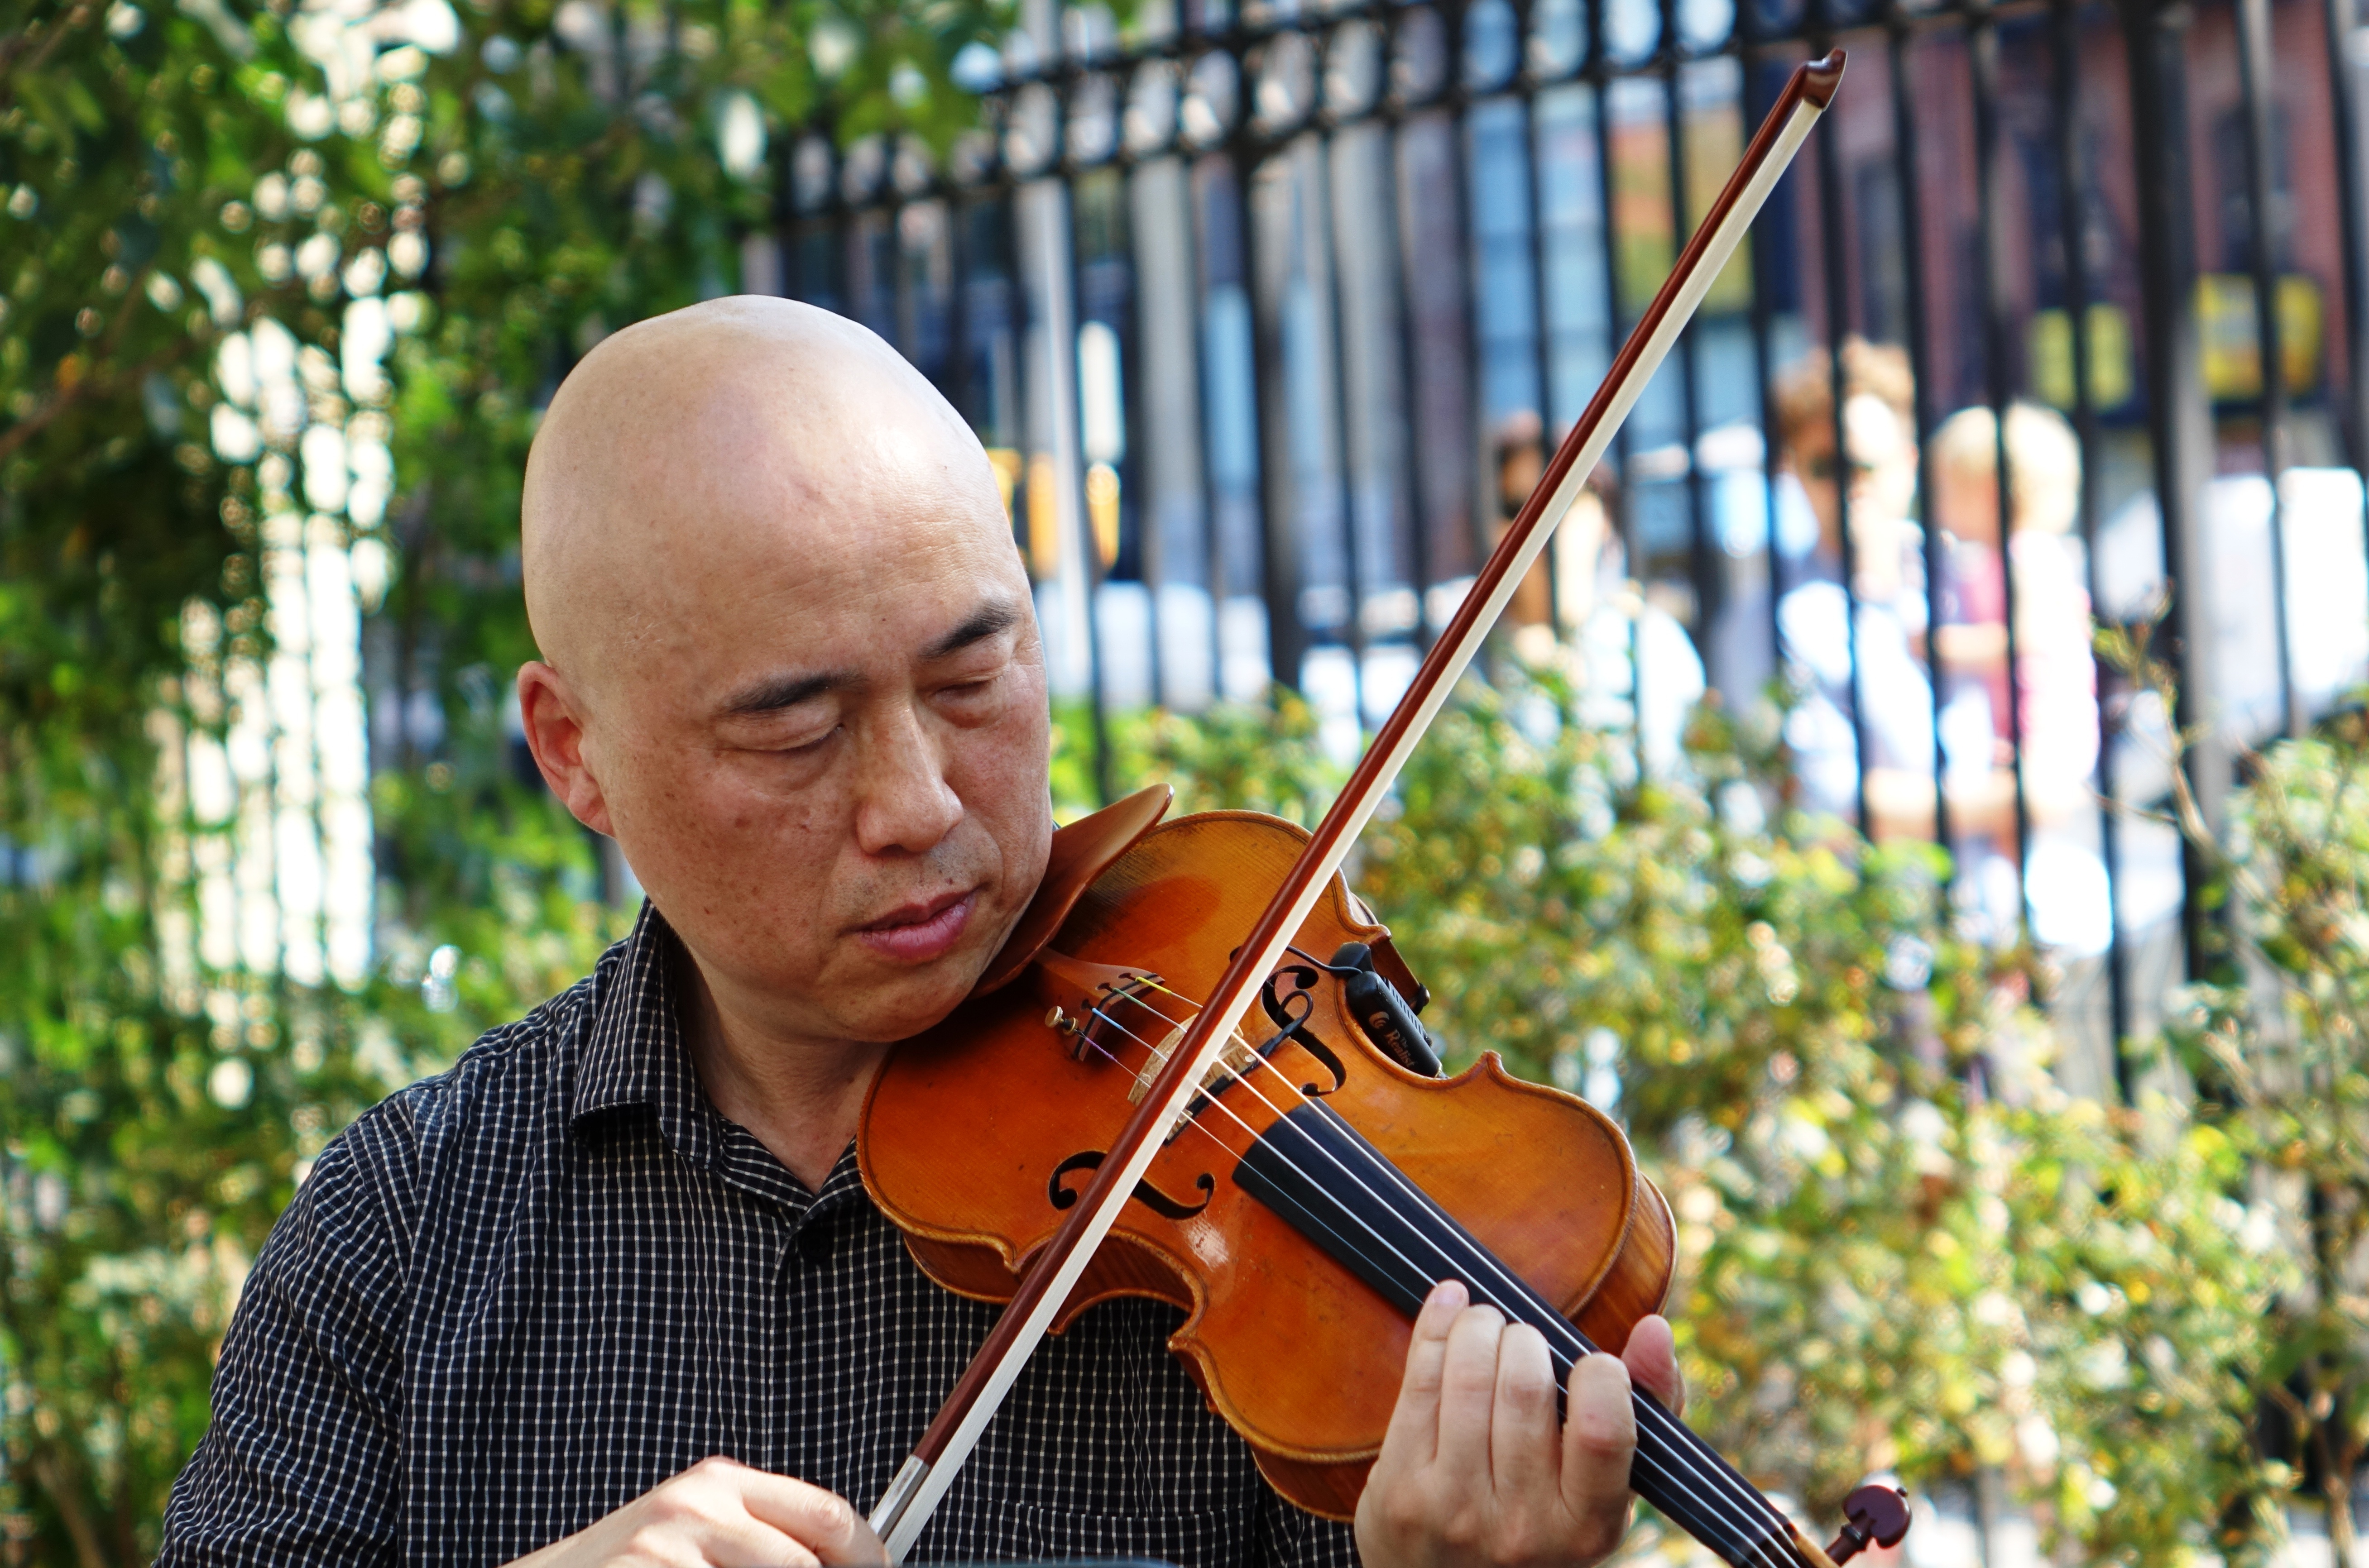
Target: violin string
[1765,1531]
[1713,1475]
[1752,1538]
[1757,1535]
[1759,1519]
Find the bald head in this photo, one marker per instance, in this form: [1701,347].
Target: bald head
[684,444]
[790,662]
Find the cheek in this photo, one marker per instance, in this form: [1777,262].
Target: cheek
[1003,770]
[709,818]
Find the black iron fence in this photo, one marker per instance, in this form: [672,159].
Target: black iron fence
[1269,313]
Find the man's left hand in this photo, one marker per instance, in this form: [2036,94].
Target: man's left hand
[1474,1471]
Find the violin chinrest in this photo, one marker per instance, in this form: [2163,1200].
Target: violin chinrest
[1081,852]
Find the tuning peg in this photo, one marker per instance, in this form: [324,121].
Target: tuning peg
[1874,1516]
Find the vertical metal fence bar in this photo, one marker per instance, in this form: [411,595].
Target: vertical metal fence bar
[1002,189]
[853,277]
[829,227]
[1456,102]
[1401,243]
[2254,96]
[1150,560]
[1834,263]
[1061,345]
[1189,37]
[1623,522]
[2072,228]
[1983,60]
[1287,638]
[1904,173]
[957,387]
[1213,542]
[1526,85]
[838,222]
[1345,504]
[1764,373]
[2342,24]
[2179,418]
[905,305]
[1700,563]
[781,224]
[794,253]
[1134,465]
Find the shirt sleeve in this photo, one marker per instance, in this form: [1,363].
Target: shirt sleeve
[298,1462]
[1289,1538]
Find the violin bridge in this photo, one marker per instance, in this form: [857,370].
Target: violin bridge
[1236,1060]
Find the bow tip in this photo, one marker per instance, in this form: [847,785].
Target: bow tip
[1821,77]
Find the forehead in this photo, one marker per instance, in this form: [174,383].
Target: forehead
[721,504]
[843,564]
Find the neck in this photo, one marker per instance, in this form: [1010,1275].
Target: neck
[801,1097]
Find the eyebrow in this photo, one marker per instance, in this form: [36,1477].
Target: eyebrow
[988,620]
[775,693]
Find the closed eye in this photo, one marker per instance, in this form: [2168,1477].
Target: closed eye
[972,686]
[808,747]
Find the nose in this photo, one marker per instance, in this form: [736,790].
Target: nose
[903,802]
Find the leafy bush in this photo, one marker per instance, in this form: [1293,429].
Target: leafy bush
[173,179]
[2282,1052]
[1904,1249]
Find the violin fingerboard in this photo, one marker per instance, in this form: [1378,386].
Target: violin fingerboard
[1324,1180]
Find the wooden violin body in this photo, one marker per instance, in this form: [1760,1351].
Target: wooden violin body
[979,1135]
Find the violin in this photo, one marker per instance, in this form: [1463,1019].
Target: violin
[1196,1071]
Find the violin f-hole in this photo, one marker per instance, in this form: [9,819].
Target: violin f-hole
[1303,980]
[1151,1198]
[1293,1023]
[1315,1046]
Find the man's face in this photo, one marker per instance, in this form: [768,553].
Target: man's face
[826,758]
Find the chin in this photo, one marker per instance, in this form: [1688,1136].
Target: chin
[914,1002]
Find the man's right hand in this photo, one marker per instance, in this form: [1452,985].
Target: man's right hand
[720,1514]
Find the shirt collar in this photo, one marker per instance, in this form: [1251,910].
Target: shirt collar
[636,1054]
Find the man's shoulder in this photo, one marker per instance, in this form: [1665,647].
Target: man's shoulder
[535,1057]
[517,1073]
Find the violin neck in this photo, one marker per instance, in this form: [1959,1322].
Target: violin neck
[1324,1178]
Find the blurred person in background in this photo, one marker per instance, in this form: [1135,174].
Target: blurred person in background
[1819,640]
[1619,641]
[1608,629]
[2053,684]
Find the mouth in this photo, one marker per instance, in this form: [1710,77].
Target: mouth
[922,931]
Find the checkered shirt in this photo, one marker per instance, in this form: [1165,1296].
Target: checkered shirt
[515,1297]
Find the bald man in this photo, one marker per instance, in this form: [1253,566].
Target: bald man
[611,1291]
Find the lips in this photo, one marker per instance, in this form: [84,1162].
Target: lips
[920,932]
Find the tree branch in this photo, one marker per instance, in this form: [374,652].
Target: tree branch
[19,42]
[84,389]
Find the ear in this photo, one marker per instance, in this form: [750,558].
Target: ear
[555,731]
